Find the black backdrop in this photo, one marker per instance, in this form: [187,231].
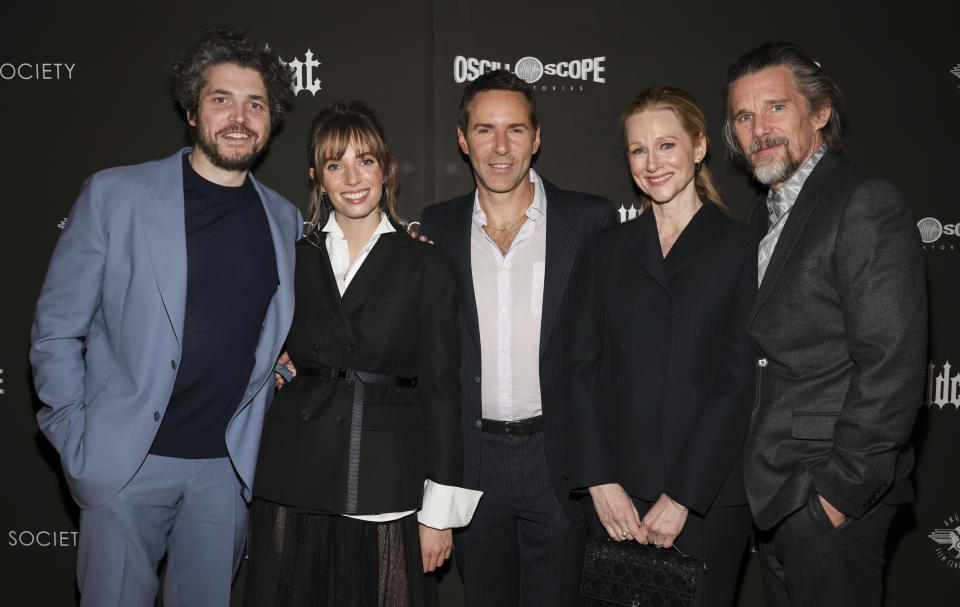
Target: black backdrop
[83,88]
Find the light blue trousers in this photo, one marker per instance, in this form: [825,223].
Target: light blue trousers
[190,510]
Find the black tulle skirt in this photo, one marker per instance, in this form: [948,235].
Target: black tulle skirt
[300,559]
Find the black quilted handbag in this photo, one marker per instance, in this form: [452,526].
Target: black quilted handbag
[640,575]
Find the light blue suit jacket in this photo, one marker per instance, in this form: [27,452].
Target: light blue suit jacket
[108,332]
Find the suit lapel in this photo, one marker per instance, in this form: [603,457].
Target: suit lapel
[281,306]
[364,283]
[317,270]
[793,229]
[162,216]
[563,242]
[456,242]
[642,240]
[280,311]
[702,231]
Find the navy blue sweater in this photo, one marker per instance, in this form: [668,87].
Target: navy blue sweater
[231,278]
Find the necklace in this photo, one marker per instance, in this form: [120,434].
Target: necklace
[509,227]
[519,221]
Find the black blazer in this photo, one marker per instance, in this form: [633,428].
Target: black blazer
[398,317]
[661,369]
[572,220]
[841,323]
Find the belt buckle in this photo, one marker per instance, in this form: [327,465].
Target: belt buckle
[517,428]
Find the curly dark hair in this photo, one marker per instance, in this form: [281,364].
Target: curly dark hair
[220,46]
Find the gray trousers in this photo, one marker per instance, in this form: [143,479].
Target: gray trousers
[190,510]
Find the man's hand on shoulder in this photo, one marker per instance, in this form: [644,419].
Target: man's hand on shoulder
[415,234]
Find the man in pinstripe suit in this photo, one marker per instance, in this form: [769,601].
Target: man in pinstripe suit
[514,243]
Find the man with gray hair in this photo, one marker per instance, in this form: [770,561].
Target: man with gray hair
[840,324]
[165,305]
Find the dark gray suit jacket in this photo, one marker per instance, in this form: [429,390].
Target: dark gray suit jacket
[840,322]
[572,220]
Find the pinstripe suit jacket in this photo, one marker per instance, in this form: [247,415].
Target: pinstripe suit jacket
[573,219]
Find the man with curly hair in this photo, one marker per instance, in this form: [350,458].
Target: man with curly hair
[166,302]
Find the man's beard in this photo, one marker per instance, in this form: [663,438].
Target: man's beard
[775,170]
[228,163]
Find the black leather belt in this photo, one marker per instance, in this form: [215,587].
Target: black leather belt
[523,427]
[364,376]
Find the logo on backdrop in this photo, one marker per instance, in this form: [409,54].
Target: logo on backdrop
[564,75]
[63,223]
[948,541]
[37,71]
[938,236]
[628,213]
[42,539]
[943,388]
[303,79]
[1,382]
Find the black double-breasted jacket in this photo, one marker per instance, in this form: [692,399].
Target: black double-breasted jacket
[398,317]
[661,376]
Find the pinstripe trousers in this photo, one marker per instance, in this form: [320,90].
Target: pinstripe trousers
[520,548]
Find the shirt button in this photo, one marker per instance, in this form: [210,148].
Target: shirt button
[624,345]
[341,422]
[479,423]
[503,390]
[761,362]
[476,379]
[156,416]
[304,415]
[316,349]
[351,348]
[503,309]
[173,364]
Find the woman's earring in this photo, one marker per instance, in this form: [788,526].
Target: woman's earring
[697,166]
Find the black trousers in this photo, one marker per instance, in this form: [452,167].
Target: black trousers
[806,561]
[719,538]
[520,547]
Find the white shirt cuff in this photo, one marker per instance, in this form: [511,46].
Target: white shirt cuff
[445,506]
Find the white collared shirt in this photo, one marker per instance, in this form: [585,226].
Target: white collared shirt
[338,249]
[444,506]
[509,296]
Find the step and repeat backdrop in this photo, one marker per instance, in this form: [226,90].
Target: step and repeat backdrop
[84,88]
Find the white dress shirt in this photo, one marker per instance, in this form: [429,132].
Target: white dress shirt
[443,506]
[509,296]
